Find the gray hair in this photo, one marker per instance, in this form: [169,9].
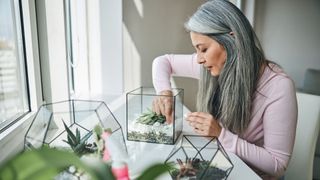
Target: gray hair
[229,96]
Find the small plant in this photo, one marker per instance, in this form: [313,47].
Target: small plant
[194,168]
[79,145]
[98,131]
[151,117]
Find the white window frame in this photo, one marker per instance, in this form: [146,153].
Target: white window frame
[100,73]
[11,139]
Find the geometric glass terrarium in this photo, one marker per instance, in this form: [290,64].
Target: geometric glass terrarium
[145,125]
[47,127]
[199,157]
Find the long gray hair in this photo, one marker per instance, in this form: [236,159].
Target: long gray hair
[229,96]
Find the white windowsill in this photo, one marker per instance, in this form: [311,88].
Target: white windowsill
[11,140]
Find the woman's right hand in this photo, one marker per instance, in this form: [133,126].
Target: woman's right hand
[163,104]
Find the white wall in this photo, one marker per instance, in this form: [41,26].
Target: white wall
[289,33]
[152,28]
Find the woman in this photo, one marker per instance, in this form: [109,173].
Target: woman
[246,101]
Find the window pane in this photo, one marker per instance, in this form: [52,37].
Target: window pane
[13,86]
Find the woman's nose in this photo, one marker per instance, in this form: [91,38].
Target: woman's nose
[200,59]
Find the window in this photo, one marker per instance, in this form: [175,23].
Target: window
[13,83]
[94,49]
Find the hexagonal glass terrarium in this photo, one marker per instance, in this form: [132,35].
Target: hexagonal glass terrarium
[199,157]
[47,127]
[145,125]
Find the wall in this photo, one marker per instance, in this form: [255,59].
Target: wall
[153,28]
[289,33]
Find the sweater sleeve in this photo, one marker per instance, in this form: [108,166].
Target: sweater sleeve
[279,126]
[163,67]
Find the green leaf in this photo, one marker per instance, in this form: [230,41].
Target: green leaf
[98,130]
[70,133]
[86,137]
[78,135]
[46,163]
[154,171]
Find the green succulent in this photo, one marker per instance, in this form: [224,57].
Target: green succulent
[79,145]
[150,117]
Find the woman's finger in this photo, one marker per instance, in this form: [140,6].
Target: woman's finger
[199,131]
[199,115]
[155,106]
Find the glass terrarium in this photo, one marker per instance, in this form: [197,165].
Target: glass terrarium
[199,157]
[47,127]
[145,125]
[54,122]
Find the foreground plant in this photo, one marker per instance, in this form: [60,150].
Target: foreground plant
[46,163]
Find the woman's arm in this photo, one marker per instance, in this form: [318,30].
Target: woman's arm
[165,66]
[279,126]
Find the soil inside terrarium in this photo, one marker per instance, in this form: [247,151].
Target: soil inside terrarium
[154,137]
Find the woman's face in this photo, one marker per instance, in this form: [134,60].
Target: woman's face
[210,53]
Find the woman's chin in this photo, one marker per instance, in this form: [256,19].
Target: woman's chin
[214,73]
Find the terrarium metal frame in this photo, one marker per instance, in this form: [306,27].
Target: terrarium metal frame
[154,136]
[73,121]
[194,165]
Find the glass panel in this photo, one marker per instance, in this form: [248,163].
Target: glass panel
[13,86]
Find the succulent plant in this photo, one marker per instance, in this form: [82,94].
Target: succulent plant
[151,117]
[79,145]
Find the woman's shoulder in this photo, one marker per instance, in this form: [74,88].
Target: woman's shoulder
[274,79]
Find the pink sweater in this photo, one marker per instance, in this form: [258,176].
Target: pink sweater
[267,144]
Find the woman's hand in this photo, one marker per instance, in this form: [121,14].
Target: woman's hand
[163,105]
[204,124]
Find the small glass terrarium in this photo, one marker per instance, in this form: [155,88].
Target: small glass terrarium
[199,157]
[47,127]
[145,125]
[71,125]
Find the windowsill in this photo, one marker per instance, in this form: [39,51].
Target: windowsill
[11,140]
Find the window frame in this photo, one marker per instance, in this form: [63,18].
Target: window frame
[21,63]
[11,139]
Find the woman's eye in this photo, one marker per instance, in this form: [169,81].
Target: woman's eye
[204,50]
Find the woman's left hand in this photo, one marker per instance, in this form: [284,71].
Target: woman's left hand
[204,124]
